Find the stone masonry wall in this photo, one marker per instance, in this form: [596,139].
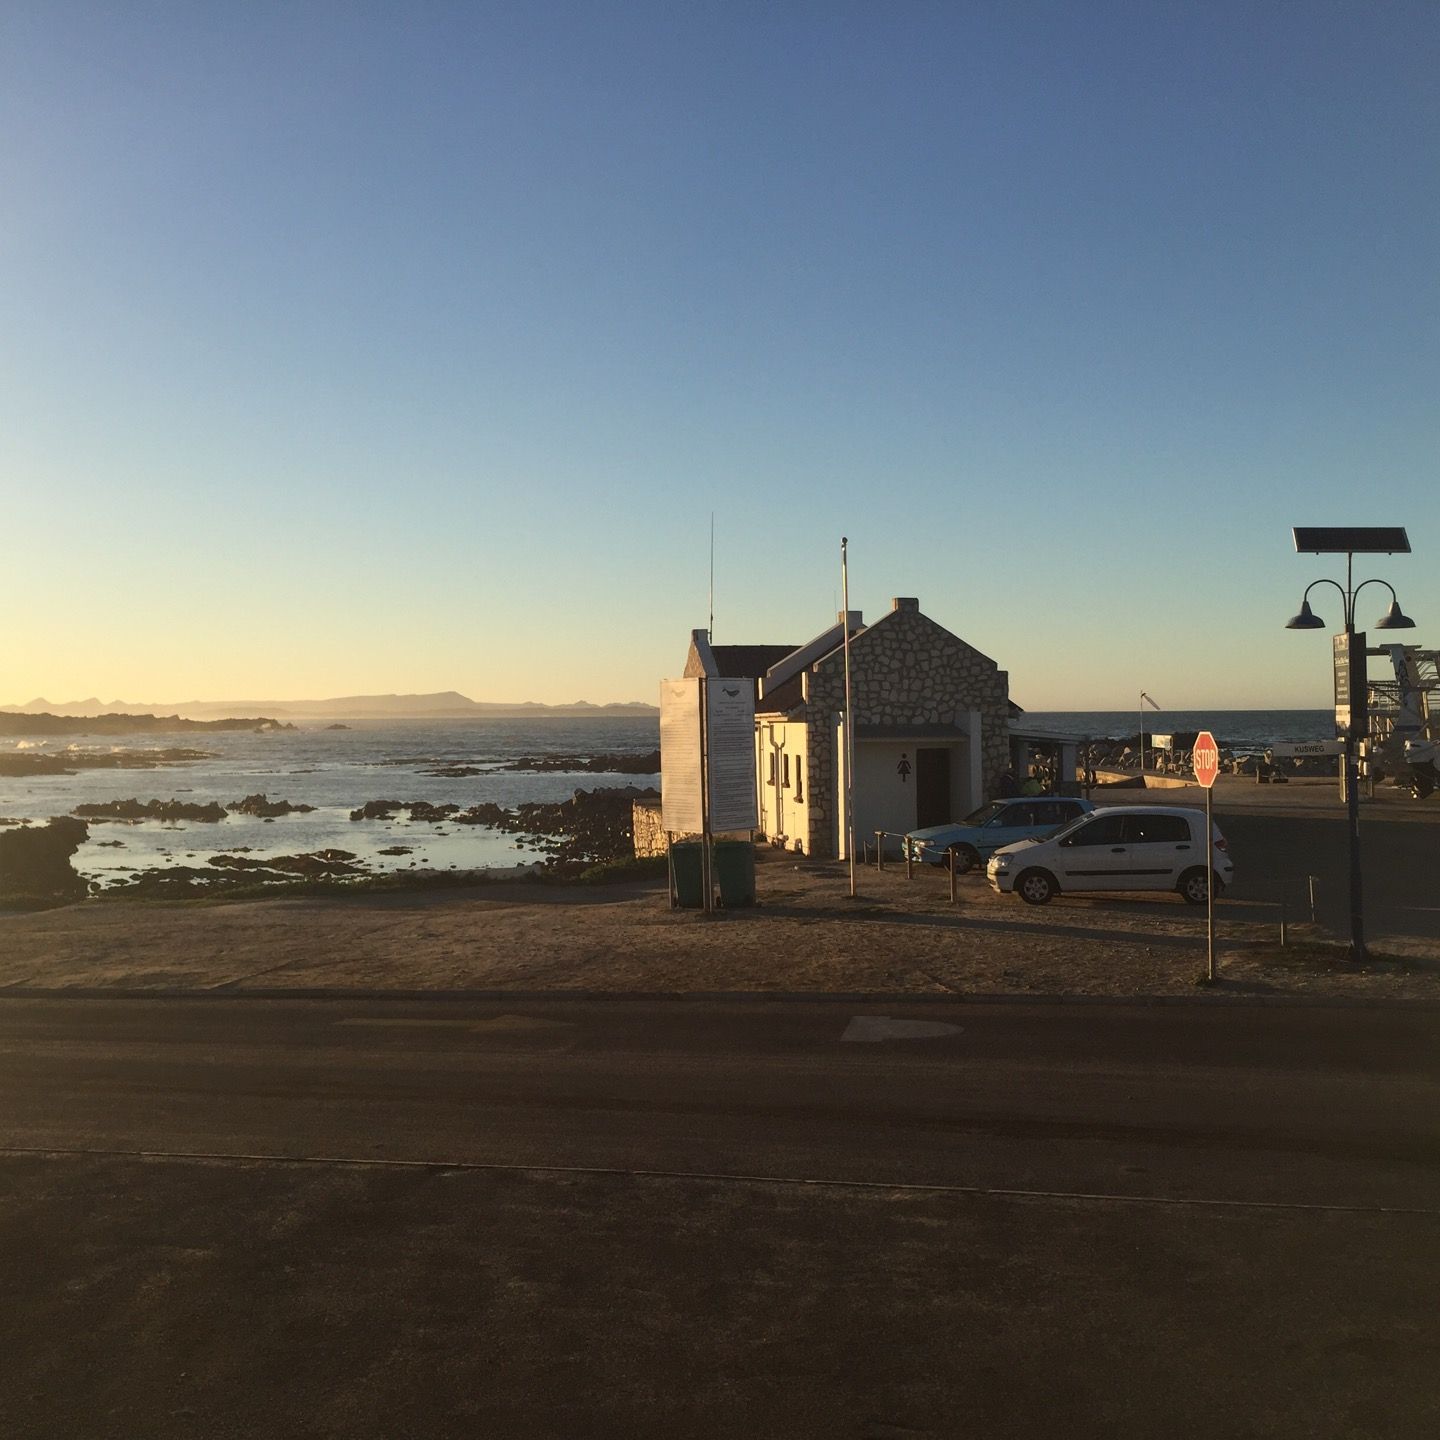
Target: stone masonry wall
[649,831]
[904,670]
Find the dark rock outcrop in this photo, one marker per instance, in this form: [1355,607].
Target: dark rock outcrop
[23,764]
[67,762]
[319,864]
[420,811]
[119,724]
[152,810]
[592,826]
[35,860]
[645,763]
[265,807]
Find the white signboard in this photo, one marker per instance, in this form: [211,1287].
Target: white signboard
[730,754]
[680,809]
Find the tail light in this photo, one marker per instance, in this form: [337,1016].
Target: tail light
[1220,843]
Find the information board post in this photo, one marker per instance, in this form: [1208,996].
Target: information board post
[1206,760]
[707,767]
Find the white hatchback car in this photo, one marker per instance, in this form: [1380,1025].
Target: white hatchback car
[1120,847]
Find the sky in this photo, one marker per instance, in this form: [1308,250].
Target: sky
[352,348]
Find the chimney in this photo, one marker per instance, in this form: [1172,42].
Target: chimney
[856,619]
[905,602]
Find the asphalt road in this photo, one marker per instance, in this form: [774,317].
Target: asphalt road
[560,1217]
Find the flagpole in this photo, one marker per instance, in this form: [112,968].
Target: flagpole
[849,716]
[1143,699]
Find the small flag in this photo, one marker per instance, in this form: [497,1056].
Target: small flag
[1146,700]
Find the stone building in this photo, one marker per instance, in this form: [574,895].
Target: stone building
[931,715]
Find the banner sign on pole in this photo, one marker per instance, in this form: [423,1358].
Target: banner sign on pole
[1351,717]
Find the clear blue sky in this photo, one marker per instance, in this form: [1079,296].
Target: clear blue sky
[359,347]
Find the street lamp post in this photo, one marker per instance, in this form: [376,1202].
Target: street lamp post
[1350,689]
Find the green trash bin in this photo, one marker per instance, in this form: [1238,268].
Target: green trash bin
[735,873]
[687,862]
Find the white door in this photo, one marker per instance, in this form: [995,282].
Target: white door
[1094,857]
[1161,847]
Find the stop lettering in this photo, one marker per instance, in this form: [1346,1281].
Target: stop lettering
[1206,758]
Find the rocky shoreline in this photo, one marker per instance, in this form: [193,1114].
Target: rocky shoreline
[592,828]
[12,723]
[24,764]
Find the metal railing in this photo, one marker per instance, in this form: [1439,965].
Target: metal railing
[910,849]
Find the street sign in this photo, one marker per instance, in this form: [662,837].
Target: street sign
[1297,749]
[1206,758]
[1351,717]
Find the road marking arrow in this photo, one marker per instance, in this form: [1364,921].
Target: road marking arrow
[870,1029]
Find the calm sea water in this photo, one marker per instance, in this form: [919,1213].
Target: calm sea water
[336,771]
[1243,730]
[339,770]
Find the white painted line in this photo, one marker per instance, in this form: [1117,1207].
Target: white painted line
[870,1029]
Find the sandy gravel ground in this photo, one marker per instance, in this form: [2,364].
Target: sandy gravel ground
[807,935]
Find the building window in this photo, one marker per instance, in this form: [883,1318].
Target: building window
[770,778]
[787,772]
[799,779]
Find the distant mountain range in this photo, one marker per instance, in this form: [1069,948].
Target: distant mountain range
[447,704]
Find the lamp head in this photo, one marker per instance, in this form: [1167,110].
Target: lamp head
[1307,619]
[1395,619]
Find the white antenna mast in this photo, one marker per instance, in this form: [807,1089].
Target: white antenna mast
[710,632]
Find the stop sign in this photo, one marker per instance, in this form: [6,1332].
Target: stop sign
[1206,758]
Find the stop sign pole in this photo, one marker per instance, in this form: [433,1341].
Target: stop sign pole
[1205,759]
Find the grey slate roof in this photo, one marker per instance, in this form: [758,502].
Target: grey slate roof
[748,660]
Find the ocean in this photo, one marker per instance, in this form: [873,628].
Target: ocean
[339,770]
[334,770]
[1248,731]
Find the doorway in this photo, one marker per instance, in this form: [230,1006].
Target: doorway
[932,787]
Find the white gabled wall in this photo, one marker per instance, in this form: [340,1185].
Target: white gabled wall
[782,781]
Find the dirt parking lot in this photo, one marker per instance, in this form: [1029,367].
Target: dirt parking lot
[900,936]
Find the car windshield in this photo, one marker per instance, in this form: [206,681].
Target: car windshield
[984,813]
[1061,831]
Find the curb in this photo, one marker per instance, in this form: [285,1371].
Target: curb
[737,997]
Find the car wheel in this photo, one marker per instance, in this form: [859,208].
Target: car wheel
[1035,887]
[1192,887]
[965,858]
